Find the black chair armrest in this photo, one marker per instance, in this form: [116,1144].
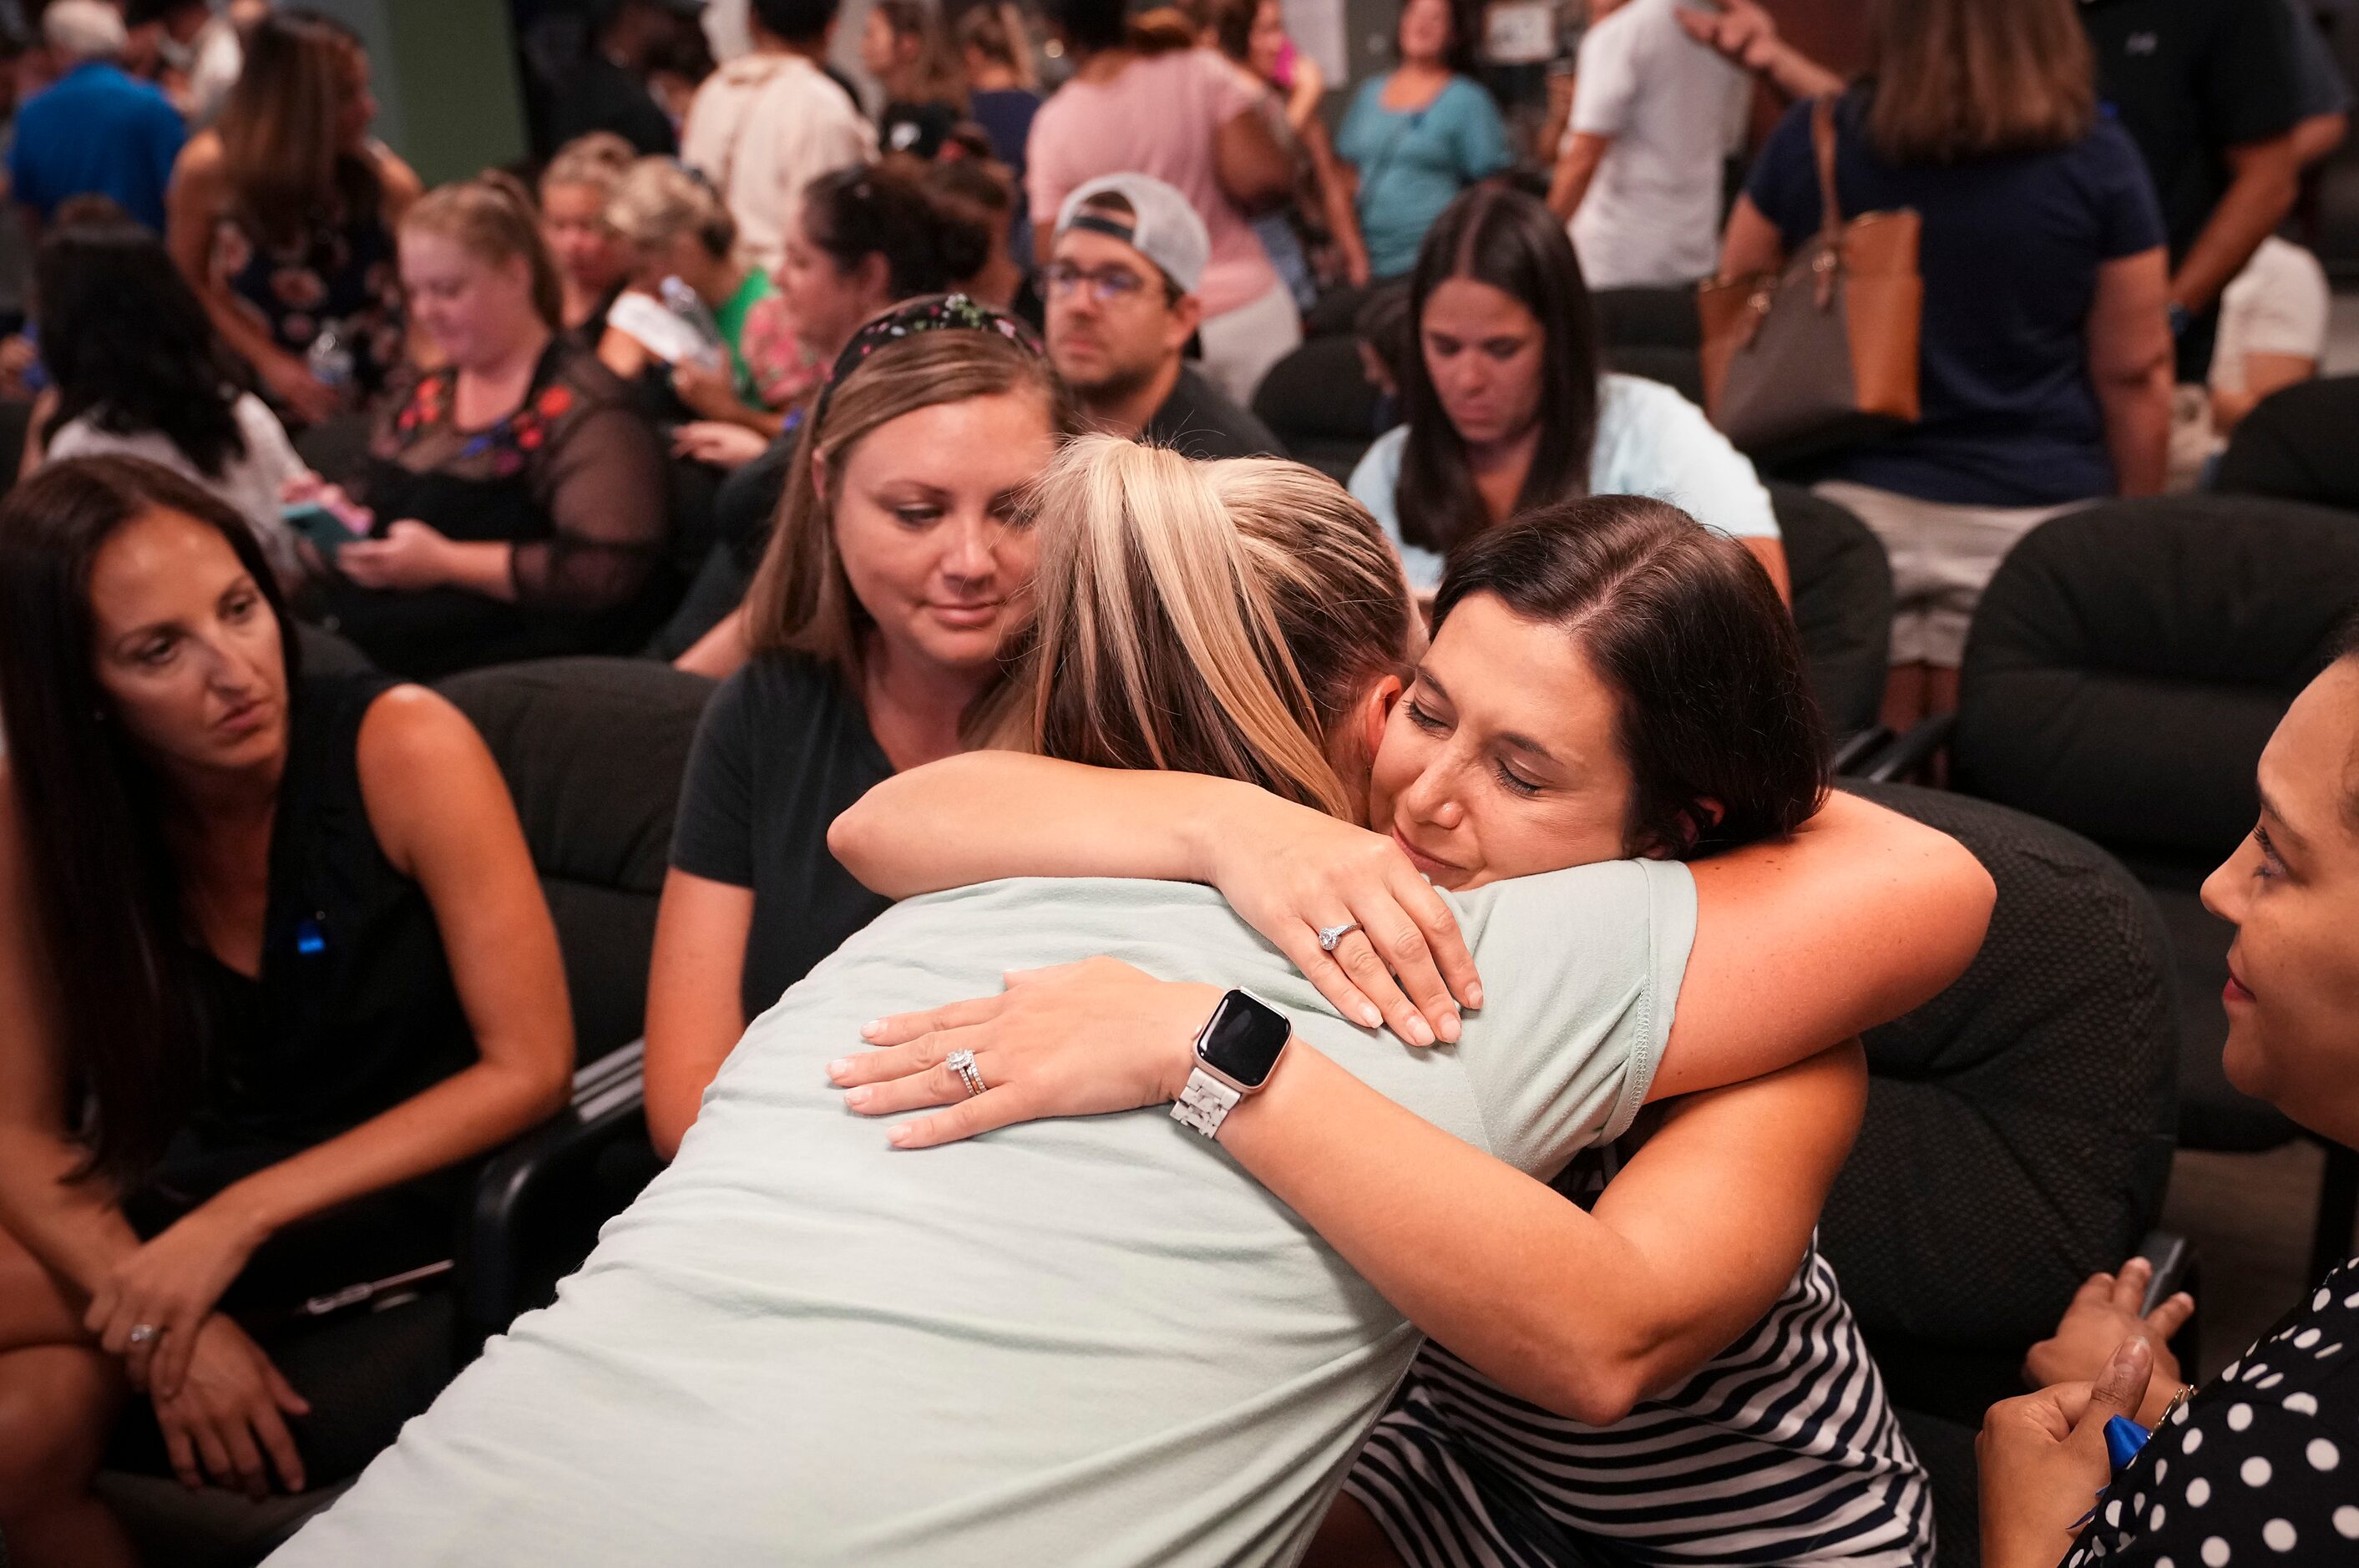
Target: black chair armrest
[1904,756]
[1855,751]
[608,1106]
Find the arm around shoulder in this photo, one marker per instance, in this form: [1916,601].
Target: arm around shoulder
[1853,919]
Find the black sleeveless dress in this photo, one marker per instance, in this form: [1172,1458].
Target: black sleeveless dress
[355,1011]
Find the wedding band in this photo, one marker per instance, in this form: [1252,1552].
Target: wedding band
[962,1063]
[140,1333]
[1330,935]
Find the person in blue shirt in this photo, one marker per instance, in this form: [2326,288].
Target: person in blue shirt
[96,131]
[1418,135]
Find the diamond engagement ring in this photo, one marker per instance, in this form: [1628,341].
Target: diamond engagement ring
[140,1333]
[1331,935]
[962,1063]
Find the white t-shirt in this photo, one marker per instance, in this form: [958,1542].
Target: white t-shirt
[1675,109]
[253,484]
[761,129]
[1650,441]
[2278,304]
[1082,1341]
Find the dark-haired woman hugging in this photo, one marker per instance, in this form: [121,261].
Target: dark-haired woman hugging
[1606,681]
[257,988]
[138,370]
[1507,408]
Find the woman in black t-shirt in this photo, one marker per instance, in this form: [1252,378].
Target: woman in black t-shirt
[2257,1465]
[262,998]
[898,566]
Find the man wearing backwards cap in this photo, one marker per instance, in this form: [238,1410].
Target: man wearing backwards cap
[1121,287]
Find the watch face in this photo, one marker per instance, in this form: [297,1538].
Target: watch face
[1244,1039]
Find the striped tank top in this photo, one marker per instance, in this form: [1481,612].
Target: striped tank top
[1781,1450]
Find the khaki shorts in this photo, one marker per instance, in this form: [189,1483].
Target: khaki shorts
[1942,556]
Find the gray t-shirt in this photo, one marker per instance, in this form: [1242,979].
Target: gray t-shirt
[1094,1340]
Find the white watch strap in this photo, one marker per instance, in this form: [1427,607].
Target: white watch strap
[1205,1104]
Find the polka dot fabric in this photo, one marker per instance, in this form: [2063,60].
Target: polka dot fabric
[2261,1466]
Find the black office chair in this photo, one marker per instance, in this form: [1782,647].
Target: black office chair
[593,750]
[2125,667]
[1647,318]
[2017,1135]
[1319,402]
[2297,446]
[1843,606]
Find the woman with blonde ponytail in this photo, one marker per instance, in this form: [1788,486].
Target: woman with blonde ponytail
[513,501]
[1209,617]
[1097,1335]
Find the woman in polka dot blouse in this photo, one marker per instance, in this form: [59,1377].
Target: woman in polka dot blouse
[2261,1466]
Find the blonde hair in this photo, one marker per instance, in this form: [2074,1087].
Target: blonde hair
[800,601]
[659,198]
[1220,618]
[598,161]
[492,217]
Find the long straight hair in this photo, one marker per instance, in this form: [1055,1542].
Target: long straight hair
[1206,617]
[800,601]
[106,895]
[129,344]
[278,128]
[1957,79]
[1498,235]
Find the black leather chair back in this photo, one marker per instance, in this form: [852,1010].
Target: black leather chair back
[2297,446]
[1647,318]
[2018,1128]
[594,750]
[2125,667]
[1319,402]
[1842,603]
[2128,662]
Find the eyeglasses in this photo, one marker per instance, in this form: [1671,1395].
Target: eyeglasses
[1107,285]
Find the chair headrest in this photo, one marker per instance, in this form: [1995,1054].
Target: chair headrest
[593,751]
[2128,662]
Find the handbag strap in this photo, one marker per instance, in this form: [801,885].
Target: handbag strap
[1822,143]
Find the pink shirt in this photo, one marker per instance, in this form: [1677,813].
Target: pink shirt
[1159,116]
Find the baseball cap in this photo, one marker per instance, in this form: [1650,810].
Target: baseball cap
[1162,227]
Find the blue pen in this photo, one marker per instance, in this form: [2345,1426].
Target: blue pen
[2123,1438]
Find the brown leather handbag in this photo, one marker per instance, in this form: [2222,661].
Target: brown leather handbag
[1825,353]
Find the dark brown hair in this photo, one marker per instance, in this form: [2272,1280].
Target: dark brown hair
[1956,79]
[1502,237]
[1714,712]
[887,210]
[278,128]
[106,892]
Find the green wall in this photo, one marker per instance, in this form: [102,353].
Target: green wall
[446,82]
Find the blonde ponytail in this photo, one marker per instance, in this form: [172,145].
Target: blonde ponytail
[1214,619]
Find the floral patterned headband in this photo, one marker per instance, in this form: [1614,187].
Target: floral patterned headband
[934,313]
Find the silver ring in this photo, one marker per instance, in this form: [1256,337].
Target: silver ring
[140,1333]
[962,1063]
[1329,936]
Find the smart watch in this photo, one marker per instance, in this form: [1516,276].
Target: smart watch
[1235,1054]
